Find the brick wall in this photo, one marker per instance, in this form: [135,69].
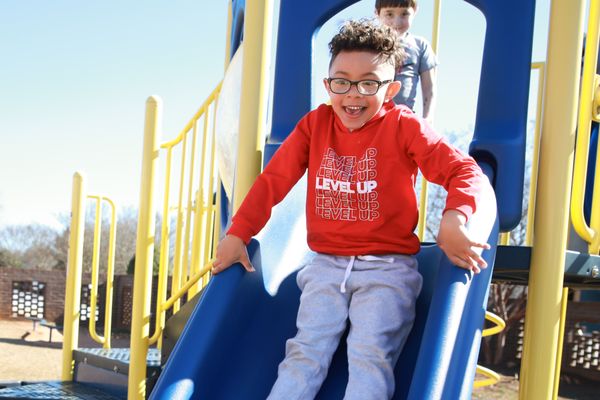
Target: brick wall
[49,284]
[47,290]
[52,286]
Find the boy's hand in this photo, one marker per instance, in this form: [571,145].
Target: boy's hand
[231,249]
[454,240]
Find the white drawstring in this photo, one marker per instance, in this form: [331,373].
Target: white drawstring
[363,258]
[347,274]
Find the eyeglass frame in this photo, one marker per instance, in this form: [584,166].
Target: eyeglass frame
[356,83]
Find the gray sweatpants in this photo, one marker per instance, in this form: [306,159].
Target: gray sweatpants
[377,294]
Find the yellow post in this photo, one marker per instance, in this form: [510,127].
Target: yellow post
[552,200]
[435,37]
[73,289]
[144,252]
[228,36]
[257,35]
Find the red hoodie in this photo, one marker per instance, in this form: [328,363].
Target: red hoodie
[361,195]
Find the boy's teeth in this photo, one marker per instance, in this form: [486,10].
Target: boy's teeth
[353,108]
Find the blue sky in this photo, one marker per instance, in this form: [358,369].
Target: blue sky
[75,75]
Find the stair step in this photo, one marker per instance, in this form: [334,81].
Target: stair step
[108,369]
[116,360]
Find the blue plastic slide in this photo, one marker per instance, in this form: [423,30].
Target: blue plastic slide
[235,338]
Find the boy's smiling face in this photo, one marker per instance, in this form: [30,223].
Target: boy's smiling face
[353,108]
[398,18]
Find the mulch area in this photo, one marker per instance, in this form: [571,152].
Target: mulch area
[28,355]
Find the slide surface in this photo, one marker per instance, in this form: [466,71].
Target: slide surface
[235,338]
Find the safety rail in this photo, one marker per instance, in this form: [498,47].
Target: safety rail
[75,270]
[195,212]
[196,226]
[589,110]
[110,273]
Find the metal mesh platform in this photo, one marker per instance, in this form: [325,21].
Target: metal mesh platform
[55,390]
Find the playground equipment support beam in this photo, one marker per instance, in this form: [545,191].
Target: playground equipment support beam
[144,253]
[257,38]
[73,292]
[542,316]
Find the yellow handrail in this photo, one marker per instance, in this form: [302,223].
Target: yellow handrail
[188,216]
[586,100]
[95,262]
[103,340]
[181,292]
[209,100]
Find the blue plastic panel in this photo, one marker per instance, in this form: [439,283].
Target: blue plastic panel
[501,122]
[298,23]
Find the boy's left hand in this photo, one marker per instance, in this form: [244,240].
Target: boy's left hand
[454,240]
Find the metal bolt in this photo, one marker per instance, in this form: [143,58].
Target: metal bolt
[595,271]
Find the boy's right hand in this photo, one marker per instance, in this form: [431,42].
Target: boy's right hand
[231,249]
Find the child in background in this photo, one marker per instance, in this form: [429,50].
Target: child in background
[420,63]
[362,153]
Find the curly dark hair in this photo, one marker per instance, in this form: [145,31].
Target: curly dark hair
[379,4]
[371,36]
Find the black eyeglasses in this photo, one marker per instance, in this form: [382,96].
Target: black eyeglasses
[366,87]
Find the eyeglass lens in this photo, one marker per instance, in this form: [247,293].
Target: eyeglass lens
[366,87]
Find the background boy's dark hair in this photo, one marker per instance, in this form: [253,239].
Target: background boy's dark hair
[371,36]
[379,4]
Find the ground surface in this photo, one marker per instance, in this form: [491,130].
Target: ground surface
[27,355]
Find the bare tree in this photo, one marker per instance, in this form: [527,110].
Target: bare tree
[29,246]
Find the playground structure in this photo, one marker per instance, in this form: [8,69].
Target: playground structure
[205,363]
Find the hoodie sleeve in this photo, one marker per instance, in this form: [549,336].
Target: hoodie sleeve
[445,165]
[285,168]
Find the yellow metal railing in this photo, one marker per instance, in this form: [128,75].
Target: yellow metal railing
[196,209]
[103,340]
[75,269]
[589,102]
[194,229]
